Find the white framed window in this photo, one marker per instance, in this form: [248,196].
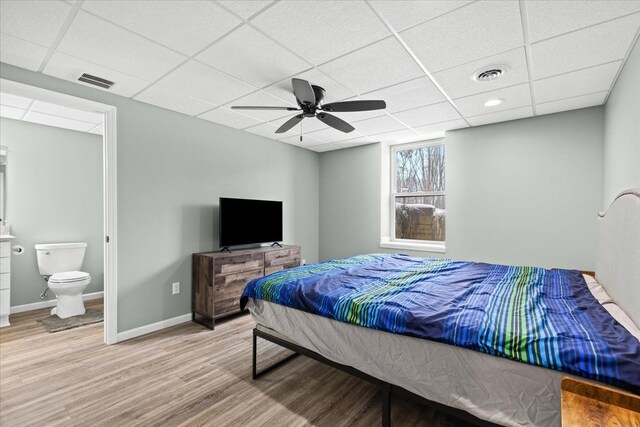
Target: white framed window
[417,196]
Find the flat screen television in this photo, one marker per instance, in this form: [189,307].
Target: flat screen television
[245,221]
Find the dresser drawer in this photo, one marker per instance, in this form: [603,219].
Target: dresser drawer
[229,285]
[5,249]
[5,265]
[280,267]
[286,258]
[226,306]
[5,280]
[238,263]
[4,301]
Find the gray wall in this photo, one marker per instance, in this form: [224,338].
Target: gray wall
[350,202]
[622,131]
[54,195]
[171,170]
[524,192]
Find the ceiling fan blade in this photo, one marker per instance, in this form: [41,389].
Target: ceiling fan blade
[303,91]
[257,107]
[335,122]
[354,106]
[290,123]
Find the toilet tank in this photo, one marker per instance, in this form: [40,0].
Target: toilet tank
[58,257]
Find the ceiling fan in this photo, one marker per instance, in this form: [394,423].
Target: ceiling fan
[309,98]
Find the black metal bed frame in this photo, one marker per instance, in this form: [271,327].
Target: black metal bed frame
[386,389]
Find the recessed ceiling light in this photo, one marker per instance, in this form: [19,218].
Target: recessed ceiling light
[489,73]
[493,102]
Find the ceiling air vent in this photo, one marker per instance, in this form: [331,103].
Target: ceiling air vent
[96,81]
[490,73]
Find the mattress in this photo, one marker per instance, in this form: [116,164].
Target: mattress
[496,389]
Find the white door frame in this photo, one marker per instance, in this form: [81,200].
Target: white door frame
[109,189]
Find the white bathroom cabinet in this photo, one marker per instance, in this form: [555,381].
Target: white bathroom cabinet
[5,279]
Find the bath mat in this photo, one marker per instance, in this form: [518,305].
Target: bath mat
[55,324]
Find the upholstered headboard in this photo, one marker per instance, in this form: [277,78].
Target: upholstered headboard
[618,255]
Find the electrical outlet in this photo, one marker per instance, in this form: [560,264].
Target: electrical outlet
[304,262]
[175,288]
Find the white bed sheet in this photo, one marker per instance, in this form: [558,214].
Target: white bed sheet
[496,389]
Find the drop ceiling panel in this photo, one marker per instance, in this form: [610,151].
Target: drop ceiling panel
[14,101]
[404,96]
[62,122]
[320,30]
[501,116]
[329,134]
[229,118]
[335,91]
[307,141]
[69,68]
[265,129]
[50,114]
[381,64]
[11,112]
[404,135]
[172,100]
[245,8]
[440,127]
[66,112]
[102,43]
[590,80]
[21,53]
[261,98]
[342,144]
[378,125]
[475,31]
[34,21]
[422,116]
[585,48]
[571,103]
[514,97]
[549,18]
[457,82]
[403,14]
[253,58]
[186,26]
[203,82]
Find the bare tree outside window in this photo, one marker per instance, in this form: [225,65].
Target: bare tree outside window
[419,192]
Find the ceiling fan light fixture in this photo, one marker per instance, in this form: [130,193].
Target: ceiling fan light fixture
[310,104]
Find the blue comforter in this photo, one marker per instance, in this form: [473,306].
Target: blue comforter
[547,318]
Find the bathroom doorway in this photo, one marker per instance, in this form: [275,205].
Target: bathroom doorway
[107,128]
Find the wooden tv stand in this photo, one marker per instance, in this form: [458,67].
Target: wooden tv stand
[218,278]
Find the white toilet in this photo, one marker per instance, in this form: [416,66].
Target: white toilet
[61,263]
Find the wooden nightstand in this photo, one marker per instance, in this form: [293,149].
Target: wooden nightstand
[586,404]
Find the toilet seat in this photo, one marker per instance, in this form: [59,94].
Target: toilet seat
[69,277]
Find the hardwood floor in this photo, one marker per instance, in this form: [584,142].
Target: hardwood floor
[182,376]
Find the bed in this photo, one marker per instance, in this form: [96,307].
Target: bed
[487,384]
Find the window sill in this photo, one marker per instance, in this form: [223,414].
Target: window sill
[414,246]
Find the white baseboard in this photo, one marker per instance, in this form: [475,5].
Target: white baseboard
[147,329]
[50,303]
